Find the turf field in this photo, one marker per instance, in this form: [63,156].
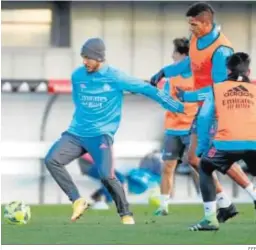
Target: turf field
[51,225]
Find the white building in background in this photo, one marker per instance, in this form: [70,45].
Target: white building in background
[138,35]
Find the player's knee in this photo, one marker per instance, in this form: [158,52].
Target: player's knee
[192,160]
[205,167]
[169,167]
[108,182]
[50,161]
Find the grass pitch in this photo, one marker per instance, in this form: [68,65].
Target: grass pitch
[50,224]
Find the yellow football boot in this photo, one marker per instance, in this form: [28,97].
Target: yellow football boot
[127,220]
[79,206]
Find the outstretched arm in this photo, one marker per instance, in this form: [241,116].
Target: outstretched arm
[131,84]
[193,96]
[174,69]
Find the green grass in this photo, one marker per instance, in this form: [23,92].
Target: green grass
[51,225]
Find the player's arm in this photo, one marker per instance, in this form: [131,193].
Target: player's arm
[193,96]
[131,84]
[219,74]
[205,121]
[166,87]
[174,69]
[219,64]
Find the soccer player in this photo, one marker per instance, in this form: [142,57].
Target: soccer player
[233,102]
[98,91]
[209,50]
[177,126]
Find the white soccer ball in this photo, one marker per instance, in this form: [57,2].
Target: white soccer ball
[17,213]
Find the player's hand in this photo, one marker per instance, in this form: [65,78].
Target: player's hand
[180,94]
[156,78]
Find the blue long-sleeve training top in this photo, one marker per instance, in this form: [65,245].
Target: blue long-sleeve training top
[204,123]
[98,98]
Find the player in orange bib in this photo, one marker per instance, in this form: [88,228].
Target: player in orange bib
[208,52]
[177,126]
[233,103]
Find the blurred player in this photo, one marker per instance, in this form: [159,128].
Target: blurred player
[177,126]
[101,197]
[98,91]
[208,52]
[233,102]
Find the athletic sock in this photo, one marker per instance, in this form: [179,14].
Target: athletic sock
[164,200]
[251,191]
[210,208]
[222,200]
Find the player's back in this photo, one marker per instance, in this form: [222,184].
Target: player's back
[98,102]
[235,104]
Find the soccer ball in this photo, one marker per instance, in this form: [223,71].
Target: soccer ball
[154,201]
[154,198]
[17,212]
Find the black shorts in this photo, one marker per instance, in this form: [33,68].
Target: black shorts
[222,160]
[175,146]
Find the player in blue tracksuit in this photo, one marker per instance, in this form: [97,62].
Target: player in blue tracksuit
[98,91]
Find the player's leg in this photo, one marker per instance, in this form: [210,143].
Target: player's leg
[186,142]
[100,149]
[97,195]
[89,169]
[250,160]
[208,164]
[167,180]
[251,165]
[226,209]
[208,190]
[65,150]
[101,197]
[171,153]
[194,161]
[241,178]
[236,173]
[103,203]
[106,195]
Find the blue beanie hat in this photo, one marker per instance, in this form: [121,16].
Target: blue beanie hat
[94,48]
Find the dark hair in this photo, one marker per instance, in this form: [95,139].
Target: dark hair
[238,64]
[181,45]
[198,8]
